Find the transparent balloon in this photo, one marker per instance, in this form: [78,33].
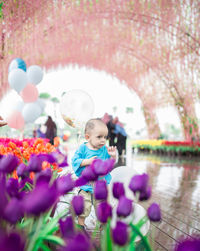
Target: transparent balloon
[76,107]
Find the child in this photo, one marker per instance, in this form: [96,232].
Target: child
[96,133]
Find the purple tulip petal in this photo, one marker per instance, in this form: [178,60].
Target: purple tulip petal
[145,195]
[79,242]
[78,204]
[189,244]
[139,183]
[44,176]
[35,163]
[104,211]
[124,207]
[22,170]
[120,233]
[154,212]
[12,187]
[80,182]
[89,174]
[118,190]
[65,184]
[100,190]
[3,197]
[67,227]
[13,241]
[13,211]
[40,199]
[8,163]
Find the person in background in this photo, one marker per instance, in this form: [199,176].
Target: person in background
[96,133]
[121,138]
[2,122]
[51,129]
[111,130]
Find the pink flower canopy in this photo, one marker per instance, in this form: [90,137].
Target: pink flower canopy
[152,46]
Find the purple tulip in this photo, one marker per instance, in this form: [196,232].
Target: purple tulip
[188,245]
[12,187]
[118,190]
[47,157]
[79,242]
[120,233]
[102,167]
[40,199]
[13,241]
[154,212]
[44,176]
[89,174]
[22,170]
[145,195]
[124,207]
[81,182]
[35,163]
[139,183]
[8,163]
[3,197]
[104,211]
[67,227]
[100,190]
[13,211]
[61,159]
[65,184]
[78,204]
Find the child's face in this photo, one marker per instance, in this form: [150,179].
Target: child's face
[97,137]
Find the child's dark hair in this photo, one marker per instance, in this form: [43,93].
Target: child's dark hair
[91,124]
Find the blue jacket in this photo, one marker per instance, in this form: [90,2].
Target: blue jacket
[85,153]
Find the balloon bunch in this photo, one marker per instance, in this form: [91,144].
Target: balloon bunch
[24,80]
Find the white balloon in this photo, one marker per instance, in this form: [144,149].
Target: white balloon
[31,112]
[19,106]
[35,74]
[41,104]
[17,79]
[76,107]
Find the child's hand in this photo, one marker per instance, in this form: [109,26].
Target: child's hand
[87,162]
[2,122]
[112,151]
[91,160]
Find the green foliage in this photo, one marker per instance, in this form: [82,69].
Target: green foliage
[44,95]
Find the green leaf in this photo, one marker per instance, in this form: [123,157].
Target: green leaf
[44,95]
[44,247]
[54,239]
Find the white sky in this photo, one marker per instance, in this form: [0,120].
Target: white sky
[105,90]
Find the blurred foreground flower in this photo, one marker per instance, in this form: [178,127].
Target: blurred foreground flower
[118,190]
[189,245]
[154,212]
[78,204]
[120,233]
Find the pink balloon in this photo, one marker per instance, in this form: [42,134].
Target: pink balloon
[29,94]
[16,120]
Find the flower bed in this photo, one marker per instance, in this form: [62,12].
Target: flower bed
[173,148]
[28,202]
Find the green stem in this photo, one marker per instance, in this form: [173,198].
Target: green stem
[143,238]
[36,233]
[141,222]
[108,239]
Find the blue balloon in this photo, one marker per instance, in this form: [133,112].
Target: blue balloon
[17,63]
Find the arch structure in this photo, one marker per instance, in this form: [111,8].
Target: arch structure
[152,46]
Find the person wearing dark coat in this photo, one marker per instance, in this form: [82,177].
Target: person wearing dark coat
[51,130]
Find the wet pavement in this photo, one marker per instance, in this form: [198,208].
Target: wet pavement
[176,187]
